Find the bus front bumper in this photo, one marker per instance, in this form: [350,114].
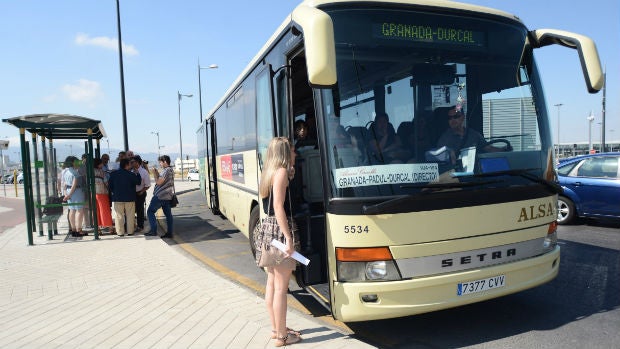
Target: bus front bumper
[416,296]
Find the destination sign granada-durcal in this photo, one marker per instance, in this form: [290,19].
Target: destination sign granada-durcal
[428,33]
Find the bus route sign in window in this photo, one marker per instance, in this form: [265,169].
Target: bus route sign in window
[385,174]
[436,34]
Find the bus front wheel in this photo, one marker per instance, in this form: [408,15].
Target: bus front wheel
[254,221]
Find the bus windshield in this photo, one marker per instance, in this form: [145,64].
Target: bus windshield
[426,101]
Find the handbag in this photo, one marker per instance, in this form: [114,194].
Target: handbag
[268,230]
[174,202]
[53,205]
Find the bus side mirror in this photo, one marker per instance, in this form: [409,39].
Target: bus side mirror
[319,44]
[588,55]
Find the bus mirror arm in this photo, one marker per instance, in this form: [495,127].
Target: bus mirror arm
[586,48]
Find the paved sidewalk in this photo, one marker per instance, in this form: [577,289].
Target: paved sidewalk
[131,292]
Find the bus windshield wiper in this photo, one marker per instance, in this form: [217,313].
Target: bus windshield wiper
[385,205]
[524,173]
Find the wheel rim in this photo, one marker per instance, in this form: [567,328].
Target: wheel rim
[563,210]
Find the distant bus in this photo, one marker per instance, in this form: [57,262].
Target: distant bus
[419,227]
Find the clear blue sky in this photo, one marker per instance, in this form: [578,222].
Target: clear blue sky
[61,57]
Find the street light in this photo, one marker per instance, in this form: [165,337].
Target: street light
[179,95]
[212,66]
[158,147]
[590,119]
[108,141]
[558,105]
[120,60]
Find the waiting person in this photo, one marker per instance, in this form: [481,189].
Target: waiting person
[105,159]
[74,195]
[116,164]
[273,189]
[162,194]
[122,185]
[104,214]
[145,184]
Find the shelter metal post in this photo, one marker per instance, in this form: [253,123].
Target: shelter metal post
[91,184]
[27,201]
[28,187]
[36,184]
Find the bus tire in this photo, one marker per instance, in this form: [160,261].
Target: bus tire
[566,210]
[254,221]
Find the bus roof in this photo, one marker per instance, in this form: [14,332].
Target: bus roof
[439,4]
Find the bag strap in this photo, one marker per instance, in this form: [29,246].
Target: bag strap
[288,190]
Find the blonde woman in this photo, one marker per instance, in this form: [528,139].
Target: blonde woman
[273,190]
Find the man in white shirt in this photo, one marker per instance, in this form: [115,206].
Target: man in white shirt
[145,183]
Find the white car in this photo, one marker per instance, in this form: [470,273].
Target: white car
[193,175]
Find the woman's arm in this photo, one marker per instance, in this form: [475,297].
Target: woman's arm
[73,187]
[280,182]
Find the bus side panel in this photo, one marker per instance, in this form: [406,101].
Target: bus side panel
[237,187]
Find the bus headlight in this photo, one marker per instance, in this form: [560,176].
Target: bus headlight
[368,271]
[366,264]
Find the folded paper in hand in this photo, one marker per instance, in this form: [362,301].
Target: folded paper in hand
[296,255]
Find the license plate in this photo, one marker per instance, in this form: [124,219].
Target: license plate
[475,286]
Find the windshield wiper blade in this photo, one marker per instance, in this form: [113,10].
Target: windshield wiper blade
[385,205]
[446,185]
[524,173]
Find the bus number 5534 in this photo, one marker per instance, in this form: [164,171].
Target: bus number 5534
[355,229]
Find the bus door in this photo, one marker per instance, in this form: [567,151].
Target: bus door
[307,186]
[211,180]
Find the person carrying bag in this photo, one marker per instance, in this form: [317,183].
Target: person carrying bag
[273,189]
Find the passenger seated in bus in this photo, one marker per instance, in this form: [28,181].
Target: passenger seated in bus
[302,136]
[337,134]
[384,145]
[458,137]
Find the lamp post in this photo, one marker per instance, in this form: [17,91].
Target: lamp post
[590,119]
[558,105]
[179,95]
[158,147]
[120,60]
[212,66]
[70,148]
[108,142]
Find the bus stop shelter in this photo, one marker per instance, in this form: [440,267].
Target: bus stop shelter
[45,128]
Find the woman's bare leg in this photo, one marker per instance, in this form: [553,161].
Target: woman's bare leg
[281,279]
[269,291]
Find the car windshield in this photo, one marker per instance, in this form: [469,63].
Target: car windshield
[430,98]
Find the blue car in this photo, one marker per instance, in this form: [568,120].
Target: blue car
[591,186]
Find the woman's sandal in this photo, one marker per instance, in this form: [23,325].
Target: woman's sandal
[287,340]
[274,335]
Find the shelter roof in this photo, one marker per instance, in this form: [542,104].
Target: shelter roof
[59,126]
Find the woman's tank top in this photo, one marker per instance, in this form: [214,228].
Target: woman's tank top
[268,204]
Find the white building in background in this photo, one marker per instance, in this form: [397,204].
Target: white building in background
[521,132]
[188,164]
